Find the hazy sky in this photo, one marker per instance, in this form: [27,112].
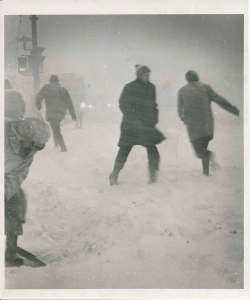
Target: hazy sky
[104,49]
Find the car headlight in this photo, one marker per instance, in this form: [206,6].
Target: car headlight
[82,105]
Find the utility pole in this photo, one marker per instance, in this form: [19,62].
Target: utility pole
[35,63]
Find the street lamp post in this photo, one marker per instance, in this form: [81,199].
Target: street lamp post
[35,63]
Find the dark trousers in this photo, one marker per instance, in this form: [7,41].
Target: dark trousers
[15,209]
[57,134]
[201,149]
[123,153]
[11,246]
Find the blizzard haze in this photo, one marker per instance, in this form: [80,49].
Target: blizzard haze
[104,50]
[185,231]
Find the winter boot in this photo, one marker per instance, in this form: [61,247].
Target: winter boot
[63,148]
[205,165]
[113,178]
[153,176]
[153,163]
[213,163]
[11,258]
[62,145]
[14,262]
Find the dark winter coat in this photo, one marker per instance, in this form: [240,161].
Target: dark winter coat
[57,101]
[140,115]
[194,109]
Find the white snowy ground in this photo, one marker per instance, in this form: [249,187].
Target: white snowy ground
[186,231]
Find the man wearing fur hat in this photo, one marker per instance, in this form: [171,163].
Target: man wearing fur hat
[140,116]
[23,138]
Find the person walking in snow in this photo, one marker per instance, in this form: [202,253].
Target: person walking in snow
[57,102]
[194,109]
[23,138]
[140,116]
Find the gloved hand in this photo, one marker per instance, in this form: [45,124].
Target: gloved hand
[235,111]
[28,147]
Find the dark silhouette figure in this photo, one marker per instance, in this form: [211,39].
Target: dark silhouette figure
[57,102]
[140,116]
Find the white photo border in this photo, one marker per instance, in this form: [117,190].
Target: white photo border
[81,7]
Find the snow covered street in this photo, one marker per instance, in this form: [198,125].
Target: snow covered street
[186,231]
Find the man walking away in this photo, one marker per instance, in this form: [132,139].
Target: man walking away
[194,109]
[140,116]
[57,102]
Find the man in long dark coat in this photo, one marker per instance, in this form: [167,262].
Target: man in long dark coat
[140,116]
[58,102]
[194,109]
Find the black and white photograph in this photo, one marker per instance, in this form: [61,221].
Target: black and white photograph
[123,151]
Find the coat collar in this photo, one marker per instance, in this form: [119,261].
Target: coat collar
[139,80]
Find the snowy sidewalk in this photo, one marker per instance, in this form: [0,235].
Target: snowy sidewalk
[186,231]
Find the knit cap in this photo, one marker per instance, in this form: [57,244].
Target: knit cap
[142,70]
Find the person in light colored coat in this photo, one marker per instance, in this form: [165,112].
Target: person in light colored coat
[23,137]
[194,109]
